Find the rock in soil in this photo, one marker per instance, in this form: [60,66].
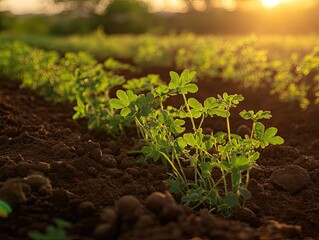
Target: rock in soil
[291,178]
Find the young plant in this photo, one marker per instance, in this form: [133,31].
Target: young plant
[148,83]
[56,231]
[228,155]
[93,95]
[115,66]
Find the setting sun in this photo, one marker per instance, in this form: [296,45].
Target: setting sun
[271,3]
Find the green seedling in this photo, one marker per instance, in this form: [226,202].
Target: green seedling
[116,66]
[166,139]
[52,232]
[138,85]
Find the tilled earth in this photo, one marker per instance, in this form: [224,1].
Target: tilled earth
[53,167]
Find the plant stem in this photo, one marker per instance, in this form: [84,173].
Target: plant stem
[190,113]
[177,173]
[201,121]
[228,129]
[252,130]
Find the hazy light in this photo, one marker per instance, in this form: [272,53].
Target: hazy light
[229,4]
[29,6]
[271,3]
[166,5]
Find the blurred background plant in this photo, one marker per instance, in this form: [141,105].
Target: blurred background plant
[66,17]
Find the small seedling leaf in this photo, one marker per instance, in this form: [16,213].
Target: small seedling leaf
[231,199]
[190,139]
[192,88]
[117,104]
[245,193]
[195,104]
[276,140]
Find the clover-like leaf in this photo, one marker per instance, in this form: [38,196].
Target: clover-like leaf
[197,108]
[251,115]
[211,103]
[175,186]
[206,168]
[231,199]
[125,112]
[181,84]
[194,103]
[190,139]
[244,192]
[176,126]
[192,88]
[193,196]
[124,99]
[240,162]
[267,136]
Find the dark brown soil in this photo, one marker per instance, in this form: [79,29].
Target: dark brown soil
[52,167]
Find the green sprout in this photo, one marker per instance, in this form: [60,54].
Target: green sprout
[166,139]
[56,231]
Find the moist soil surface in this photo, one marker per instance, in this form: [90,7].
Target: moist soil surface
[53,167]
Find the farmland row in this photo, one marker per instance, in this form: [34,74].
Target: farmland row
[78,77]
[293,77]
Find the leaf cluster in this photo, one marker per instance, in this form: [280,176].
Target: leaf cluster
[166,139]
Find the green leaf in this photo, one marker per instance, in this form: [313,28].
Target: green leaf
[225,165]
[276,140]
[235,174]
[181,143]
[196,113]
[193,196]
[267,137]
[219,112]
[270,132]
[190,139]
[245,193]
[174,76]
[211,103]
[176,126]
[175,186]
[247,115]
[192,88]
[208,144]
[263,115]
[117,104]
[259,130]
[254,157]
[206,168]
[123,97]
[131,96]
[231,199]
[191,75]
[195,104]
[239,161]
[184,76]
[197,108]
[125,111]
[5,209]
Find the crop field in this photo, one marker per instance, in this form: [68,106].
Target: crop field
[159,138]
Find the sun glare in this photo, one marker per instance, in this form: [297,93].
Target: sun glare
[271,3]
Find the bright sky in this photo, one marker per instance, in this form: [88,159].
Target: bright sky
[41,6]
